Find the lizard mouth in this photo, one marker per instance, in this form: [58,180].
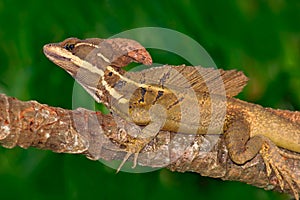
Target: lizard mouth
[53,51]
[60,57]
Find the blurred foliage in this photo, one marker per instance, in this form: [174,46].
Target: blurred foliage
[262,38]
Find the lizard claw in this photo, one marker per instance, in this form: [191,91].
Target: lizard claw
[126,158]
[271,155]
[139,143]
[123,161]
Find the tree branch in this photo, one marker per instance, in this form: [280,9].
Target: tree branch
[99,136]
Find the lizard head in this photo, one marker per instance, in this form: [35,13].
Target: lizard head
[96,63]
[72,53]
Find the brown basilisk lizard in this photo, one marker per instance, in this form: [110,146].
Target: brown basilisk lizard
[183,92]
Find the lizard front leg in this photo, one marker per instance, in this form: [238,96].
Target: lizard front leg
[242,148]
[134,143]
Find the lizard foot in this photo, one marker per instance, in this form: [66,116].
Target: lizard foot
[275,160]
[134,147]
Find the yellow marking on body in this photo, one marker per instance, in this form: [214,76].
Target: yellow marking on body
[109,68]
[113,92]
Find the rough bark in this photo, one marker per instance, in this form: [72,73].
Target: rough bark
[80,131]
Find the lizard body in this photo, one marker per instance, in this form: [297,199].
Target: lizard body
[261,121]
[192,99]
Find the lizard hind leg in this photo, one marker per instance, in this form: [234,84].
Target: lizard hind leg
[242,148]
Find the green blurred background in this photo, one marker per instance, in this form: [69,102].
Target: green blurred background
[262,38]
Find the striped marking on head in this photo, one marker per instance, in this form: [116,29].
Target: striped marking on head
[85,65]
[103,57]
[93,69]
[87,44]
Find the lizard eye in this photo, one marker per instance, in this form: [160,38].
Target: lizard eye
[69,47]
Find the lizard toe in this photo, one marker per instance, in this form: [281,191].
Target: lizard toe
[271,155]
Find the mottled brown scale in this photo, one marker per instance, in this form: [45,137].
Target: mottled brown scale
[112,78]
[144,98]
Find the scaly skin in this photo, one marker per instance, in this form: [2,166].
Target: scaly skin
[248,128]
